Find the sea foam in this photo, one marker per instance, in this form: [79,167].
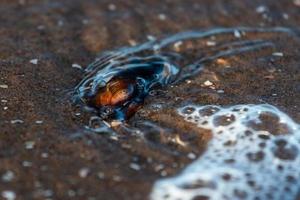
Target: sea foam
[253,154]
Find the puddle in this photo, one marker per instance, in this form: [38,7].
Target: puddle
[116,83]
[253,154]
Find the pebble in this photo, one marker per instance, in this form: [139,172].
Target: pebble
[208,83]
[9,195]
[177,45]
[162,17]
[191,156]
[279,54]
[44,155]
[285,16]
[222,61]
[115,123]
[135,166]
[151,37]
[237,34]
[75,65]
[8,176]
[26,163]
[220,91]
[117,178]
[163,173]
[83,172]
[34,61]
[112,7]
[113,137]
[3,86]
[159,167]
[29,144]
[211,43]
[38,121]
[100,175]
[261,9]
[71,193]
[297,2]
[132,42]
[17,121]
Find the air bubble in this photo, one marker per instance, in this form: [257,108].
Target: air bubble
[240,194]
[188,110]
[285,151]
[224,120]
[256,157]
[208,111]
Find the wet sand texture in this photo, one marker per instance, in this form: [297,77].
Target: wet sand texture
[45,151]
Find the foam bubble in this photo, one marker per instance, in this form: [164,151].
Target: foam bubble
[253,154]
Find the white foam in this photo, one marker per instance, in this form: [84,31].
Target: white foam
[253,154]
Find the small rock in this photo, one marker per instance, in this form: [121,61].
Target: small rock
[261,9]
[191,156]
[34,61]
[17,121]
[151,37]
[75,65]
[162,17]
[29,144]
[159,167]
[177,45]
[3,86]
[112,7]
[297,2]
[237,34]
[9,195]
[279,54]
[38,121]
[26,163]
[83,172]
[163,173]
[44,155]
[100,175]
[135,166]
[208,83]
[211,43]
[285,16]
[132,42]
[115,123]
[8,176]
[117,178]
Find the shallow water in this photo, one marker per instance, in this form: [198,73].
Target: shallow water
[253,146]
[117,82]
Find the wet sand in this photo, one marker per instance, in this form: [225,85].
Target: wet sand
[42,137]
